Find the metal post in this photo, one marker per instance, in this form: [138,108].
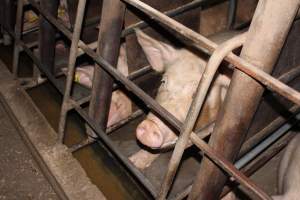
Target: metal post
[108,48]
[47,35]
[18,33]
[266,37]
[202,90]
[71,67]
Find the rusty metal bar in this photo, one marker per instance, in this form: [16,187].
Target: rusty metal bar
[112,19]
[250,168]
[196,106]
[109,130]
[261,48]
[71,68]
[207,46]
[17,33]
[151,104]
[47,35]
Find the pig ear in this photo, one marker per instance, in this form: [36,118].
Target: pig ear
[158,53]
[122,61]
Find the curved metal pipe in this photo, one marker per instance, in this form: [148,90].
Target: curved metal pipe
[207,78]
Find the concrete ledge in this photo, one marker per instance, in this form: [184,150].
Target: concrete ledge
[63,171]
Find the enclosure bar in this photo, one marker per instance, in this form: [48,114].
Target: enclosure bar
[71,69]
[265,132]
[85,116]
[250,168]
[17,33]
[47,34]
[109,39]
[196,106]
[231,13]
[262,48]
[207,46]
[171,13]
[152,104]
[109,130]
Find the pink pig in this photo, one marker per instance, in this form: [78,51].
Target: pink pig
[182,70]
[121,106]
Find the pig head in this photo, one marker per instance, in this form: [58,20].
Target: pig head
[182,71]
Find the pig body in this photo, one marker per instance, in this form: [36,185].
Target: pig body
[121,105]
[182,71]
[289,172]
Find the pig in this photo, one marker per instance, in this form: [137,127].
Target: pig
[121,105]
[289,172]
[182,70]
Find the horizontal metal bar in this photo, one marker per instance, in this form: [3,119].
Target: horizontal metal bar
[207,46]
[151,103]
[83,114]
[171,13]
[109,130]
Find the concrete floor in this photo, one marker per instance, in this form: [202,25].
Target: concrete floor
[20,177]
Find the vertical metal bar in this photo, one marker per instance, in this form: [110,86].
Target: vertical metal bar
[18,34]
[265,39]
[71,68]
[112,17]
[231,13]
[47,35]
[202,90]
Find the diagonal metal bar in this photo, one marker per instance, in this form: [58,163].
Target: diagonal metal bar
[228,167]
[194,110]
[71,68]
[207,46]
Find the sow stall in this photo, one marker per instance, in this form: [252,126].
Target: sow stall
[239,132]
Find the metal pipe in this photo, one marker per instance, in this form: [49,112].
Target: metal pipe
[71,68]
[102,136]
[109,130]
[227,166]
[171,13]
[266,37]
[231,13]
[196,106]
[47,35]
[261,135]
[250,168]
[17,33]
[265,144]
[202,43]
[112,18]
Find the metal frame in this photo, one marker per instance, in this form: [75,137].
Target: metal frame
[196,40]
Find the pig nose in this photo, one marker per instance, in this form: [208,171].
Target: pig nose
[149,134]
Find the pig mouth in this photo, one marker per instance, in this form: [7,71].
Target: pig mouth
[149,134]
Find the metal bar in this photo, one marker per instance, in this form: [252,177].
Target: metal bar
[17,33]
[265,144]
[196,106]
[252,167]
[207,46]
[151,104]
[109,130]
[231,13]
[109,39]
[261,48]
[171,13]
[71,68]
[261,135]
[47,35]
[85,116]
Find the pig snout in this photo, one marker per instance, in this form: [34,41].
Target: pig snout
[149,134]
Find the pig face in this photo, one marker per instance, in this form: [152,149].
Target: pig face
[182,71]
